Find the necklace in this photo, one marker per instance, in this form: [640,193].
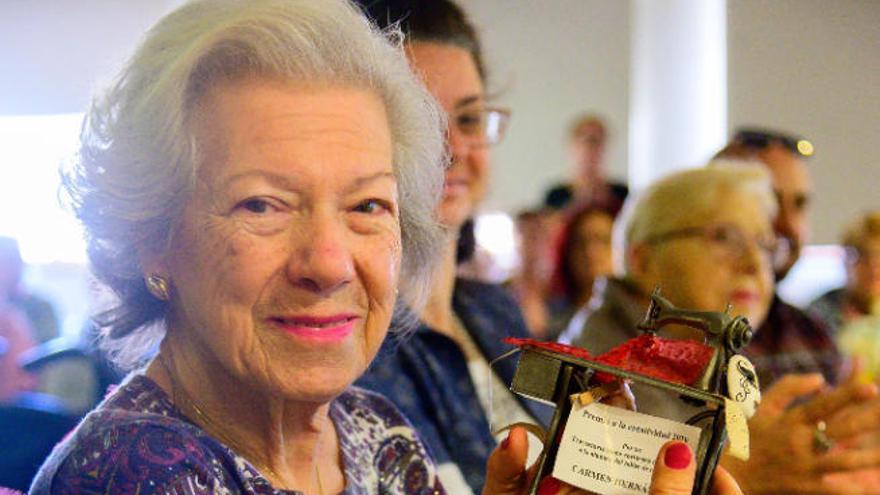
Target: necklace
[180,397]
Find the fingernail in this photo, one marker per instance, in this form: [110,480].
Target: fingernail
[505,443]
[678,456]
[549,486]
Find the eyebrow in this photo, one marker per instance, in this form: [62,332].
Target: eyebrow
[272,177]
[468,100]
[288,183]
[363,181]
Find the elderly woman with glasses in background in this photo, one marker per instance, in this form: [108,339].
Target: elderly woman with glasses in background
[705,237]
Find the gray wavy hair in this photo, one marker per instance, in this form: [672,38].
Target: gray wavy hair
[137,158]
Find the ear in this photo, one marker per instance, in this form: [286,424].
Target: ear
[153,264]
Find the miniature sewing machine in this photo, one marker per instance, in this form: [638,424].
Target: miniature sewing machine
[722,384]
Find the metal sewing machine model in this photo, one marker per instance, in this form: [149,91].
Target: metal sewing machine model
[728,381]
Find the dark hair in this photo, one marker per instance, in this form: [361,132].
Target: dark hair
[564,281]
[558,197]
[747,141]
[440,21]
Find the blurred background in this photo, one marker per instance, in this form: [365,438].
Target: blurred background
[672,78]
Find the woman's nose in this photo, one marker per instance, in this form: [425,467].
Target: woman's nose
[322,260]
[458,144]
[753,258]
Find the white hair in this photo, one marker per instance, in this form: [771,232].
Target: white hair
[138,156]
[685,197]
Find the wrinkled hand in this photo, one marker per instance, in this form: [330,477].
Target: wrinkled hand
[783,457]
[674,471]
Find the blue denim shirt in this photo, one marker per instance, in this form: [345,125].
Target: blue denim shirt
[425,374]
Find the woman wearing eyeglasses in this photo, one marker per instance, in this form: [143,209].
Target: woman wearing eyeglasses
[704,237]
[439,376]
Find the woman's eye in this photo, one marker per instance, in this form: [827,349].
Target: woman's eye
[255,205]
[469,121]
[725,235]
[372,206]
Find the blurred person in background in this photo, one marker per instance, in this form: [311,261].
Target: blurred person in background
[853,311]
[17,340]
[38,311]
[583,261]
[861,295]
[440,376]
[790,340]
[705,237]
[31,423]
[587,144]
[531,283]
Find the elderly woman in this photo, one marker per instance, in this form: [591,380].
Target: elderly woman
[256,187]
[705,237]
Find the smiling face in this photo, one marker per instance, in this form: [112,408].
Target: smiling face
[450,74]
[285,262]
[704,273]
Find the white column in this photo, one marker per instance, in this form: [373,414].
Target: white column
[678,85]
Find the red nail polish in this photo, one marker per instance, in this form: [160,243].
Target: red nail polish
[505,443]
[678,456]
[549,486]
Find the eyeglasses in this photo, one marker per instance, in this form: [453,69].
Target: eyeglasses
[481,126]
[862,254]
[728,239]
[760,139]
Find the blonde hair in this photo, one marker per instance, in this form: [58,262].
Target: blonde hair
[688,196]
[864,227]
[138,156]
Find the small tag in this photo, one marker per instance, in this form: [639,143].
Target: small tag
[737,430]
[742,384]
[610,450]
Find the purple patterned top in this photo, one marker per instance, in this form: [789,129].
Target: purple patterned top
[136,441]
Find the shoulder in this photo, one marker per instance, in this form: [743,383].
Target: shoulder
[829,301]
[784,317]
[488,309]
[132,452]
[466,287]
[608,321]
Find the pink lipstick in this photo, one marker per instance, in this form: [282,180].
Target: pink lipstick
[320,329]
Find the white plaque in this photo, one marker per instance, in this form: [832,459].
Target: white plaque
[611,451]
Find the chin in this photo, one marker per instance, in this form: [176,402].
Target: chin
[317,386]
[454,211]
[314,380]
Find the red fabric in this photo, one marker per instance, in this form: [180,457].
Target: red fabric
[677,361]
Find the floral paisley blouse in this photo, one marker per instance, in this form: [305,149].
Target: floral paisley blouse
[138,442]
